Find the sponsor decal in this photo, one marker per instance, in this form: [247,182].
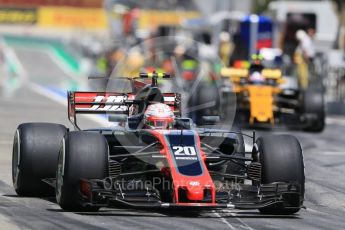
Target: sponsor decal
[169,99]
[18,16]
[151,18]
[71,17]
[184,152]
[36,3]
[107,100]
[194,183]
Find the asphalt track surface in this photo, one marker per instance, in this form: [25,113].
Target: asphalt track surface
[324,158]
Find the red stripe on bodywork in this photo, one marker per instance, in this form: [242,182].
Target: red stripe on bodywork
[195,191]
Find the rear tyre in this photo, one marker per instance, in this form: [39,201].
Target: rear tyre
[83,155]
[34,157]
[314,105]
[282,161]
[206,101]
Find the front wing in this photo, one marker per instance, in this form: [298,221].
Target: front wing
[242,197]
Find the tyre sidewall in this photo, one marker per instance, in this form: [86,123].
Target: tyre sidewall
[84,155]
[34,157]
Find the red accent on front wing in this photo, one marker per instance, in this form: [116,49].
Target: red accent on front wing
[194,185]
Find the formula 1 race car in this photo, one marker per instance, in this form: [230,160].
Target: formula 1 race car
[265,99]
[154,158]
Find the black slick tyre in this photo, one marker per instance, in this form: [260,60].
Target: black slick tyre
[83,155]
[34,157]
[282,161]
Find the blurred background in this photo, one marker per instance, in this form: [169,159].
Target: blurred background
[57,44]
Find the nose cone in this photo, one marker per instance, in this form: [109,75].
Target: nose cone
[195,191]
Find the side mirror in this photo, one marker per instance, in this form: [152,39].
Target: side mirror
[118,118]
[210,120]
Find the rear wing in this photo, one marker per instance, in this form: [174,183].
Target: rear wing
[110,103]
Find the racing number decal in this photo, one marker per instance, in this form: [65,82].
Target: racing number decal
[186,159]
[185,153]
[184,150]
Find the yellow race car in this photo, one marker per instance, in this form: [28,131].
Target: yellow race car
[264,100]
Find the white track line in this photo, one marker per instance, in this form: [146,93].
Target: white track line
[45,92]
[238,219]
[241,221]
[224,220]
[332,153]
[335,121]
[7,224]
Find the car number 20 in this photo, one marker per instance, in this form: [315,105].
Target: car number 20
[184,150]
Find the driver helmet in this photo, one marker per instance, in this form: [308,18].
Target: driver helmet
[159,116]
[256,78]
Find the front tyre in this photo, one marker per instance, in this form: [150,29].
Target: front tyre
[34,157]
[282,161]
[83,155]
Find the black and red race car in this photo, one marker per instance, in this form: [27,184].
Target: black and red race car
[182,167]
